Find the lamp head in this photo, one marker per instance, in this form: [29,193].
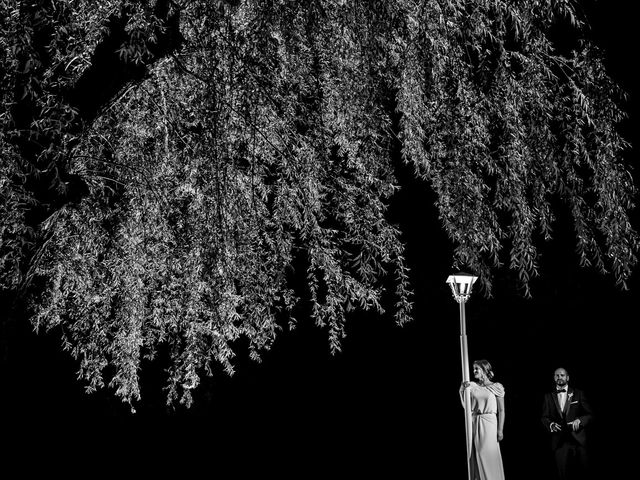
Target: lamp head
[461,284]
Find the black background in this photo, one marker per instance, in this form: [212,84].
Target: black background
[388,402]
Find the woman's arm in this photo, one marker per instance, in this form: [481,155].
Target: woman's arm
[463,387]
[500,417]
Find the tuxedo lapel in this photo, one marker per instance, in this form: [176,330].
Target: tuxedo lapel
[554,395]
[568,402]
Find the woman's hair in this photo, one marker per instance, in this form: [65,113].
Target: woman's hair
[486,368]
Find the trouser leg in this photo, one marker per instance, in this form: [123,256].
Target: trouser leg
[562,460]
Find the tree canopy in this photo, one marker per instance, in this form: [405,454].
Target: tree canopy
[177,176]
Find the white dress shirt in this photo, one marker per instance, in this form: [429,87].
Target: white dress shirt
[562,399]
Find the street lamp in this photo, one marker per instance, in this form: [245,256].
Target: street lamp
[461,284]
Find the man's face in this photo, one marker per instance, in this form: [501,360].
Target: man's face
[560,377]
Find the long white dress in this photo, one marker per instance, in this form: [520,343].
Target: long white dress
[486,460]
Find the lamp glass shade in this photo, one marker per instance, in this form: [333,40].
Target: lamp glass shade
[461,284]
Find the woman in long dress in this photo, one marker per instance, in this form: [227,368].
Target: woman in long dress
[487,414]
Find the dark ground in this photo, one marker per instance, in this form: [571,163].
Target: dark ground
[387,404]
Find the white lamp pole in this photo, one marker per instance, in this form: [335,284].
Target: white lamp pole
[461,284]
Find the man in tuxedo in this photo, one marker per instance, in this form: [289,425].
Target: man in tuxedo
[566,415]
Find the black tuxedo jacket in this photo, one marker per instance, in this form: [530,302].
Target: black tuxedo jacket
[576,407]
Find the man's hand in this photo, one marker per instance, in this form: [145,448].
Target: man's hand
[575,424]
[555,427]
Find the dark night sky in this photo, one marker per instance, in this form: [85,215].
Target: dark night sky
[389,401]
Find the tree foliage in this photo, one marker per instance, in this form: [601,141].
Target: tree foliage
[177,176]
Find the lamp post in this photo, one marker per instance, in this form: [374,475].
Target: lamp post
[461,284]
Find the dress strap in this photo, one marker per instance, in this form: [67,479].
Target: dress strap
[497,389]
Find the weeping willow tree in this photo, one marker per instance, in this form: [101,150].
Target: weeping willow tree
[179,176]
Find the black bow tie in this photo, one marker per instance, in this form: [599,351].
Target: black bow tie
[561,390]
